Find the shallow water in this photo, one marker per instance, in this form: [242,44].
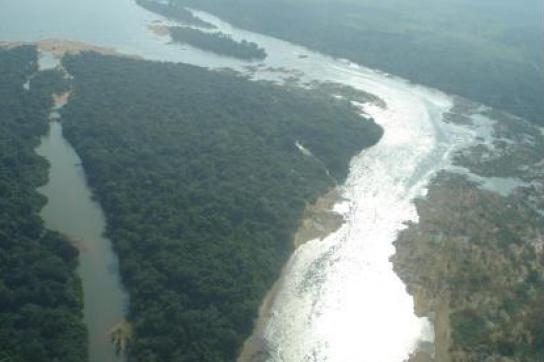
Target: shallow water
[340,300]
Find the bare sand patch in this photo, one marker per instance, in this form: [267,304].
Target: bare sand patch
[319,219]
[255,348]
[159,29]
[60,47]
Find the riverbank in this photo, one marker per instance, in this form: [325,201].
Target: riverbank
[474,260]
[318,221]
[40,291]
[255,348]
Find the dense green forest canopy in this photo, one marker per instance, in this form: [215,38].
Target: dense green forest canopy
[489,51]
[40,295]
[218,43]
[203,188]
[174,11]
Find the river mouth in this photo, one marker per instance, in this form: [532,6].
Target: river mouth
[71,211]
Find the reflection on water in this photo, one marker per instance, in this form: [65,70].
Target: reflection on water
[71,211]
[340,300]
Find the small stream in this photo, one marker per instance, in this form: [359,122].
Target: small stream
[71,211]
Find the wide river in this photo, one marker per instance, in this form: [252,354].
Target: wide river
[340,299]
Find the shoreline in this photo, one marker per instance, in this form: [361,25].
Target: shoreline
[60,47]
[254,347]
[318,221]
[476,244]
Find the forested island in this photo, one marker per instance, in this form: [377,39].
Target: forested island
[175,12]
[203,187]
[217,42]
[40,294]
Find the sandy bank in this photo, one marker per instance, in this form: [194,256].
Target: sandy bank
[161,30]
[60,47]
[318,221]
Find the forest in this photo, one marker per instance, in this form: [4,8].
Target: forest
[218,43]
[488,51]
[40,294]
[203,188]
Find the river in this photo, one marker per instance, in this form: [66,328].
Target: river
[71,210]
[340,299]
